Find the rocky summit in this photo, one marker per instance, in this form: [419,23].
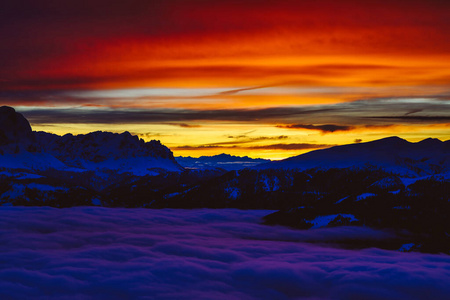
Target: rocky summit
[22,148]
[13,126]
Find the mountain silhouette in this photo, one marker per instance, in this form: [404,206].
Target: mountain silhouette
[393,154]
[22,148]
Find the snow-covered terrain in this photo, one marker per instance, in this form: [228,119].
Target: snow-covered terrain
[30,161]
[222,161]
[340,186]
[365,196]
[104,253]
[324,221]
[428,157]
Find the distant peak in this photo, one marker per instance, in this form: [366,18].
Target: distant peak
[430,141]
[7,109]
[392,138]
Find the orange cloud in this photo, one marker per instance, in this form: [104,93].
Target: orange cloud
[223,43]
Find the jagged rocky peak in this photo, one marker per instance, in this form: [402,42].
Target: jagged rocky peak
[13,126]
[22,148]
[99,145]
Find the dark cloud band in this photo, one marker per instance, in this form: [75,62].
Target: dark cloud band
[279,146]
[335,117]
[327,128]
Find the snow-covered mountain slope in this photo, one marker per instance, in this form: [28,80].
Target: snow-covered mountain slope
[24,159]
[223,161]
[21,148]
[393,154]
[105,150]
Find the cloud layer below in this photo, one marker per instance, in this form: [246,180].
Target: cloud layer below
[93,253]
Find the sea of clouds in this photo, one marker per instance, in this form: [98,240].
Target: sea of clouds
[104,253]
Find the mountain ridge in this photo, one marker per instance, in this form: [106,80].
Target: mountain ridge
[22,148]
[221,161]
[394,154]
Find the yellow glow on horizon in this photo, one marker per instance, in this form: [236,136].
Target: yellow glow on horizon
[238,139]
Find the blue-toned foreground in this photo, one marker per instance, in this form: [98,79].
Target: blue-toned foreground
[102,253]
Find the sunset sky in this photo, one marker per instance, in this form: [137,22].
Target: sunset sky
[267,79]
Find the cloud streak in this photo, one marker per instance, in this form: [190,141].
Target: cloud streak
[98,116]
[291,146]
[184,125]
[327,128]
[238,145]
[244,139]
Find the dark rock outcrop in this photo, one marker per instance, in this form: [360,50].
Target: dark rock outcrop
[14,127]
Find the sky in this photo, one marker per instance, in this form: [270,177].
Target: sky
[265,78]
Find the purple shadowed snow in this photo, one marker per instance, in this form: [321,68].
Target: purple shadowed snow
[102,253]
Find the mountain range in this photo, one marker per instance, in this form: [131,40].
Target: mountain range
[22,148]
[222,161]
[386,184]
